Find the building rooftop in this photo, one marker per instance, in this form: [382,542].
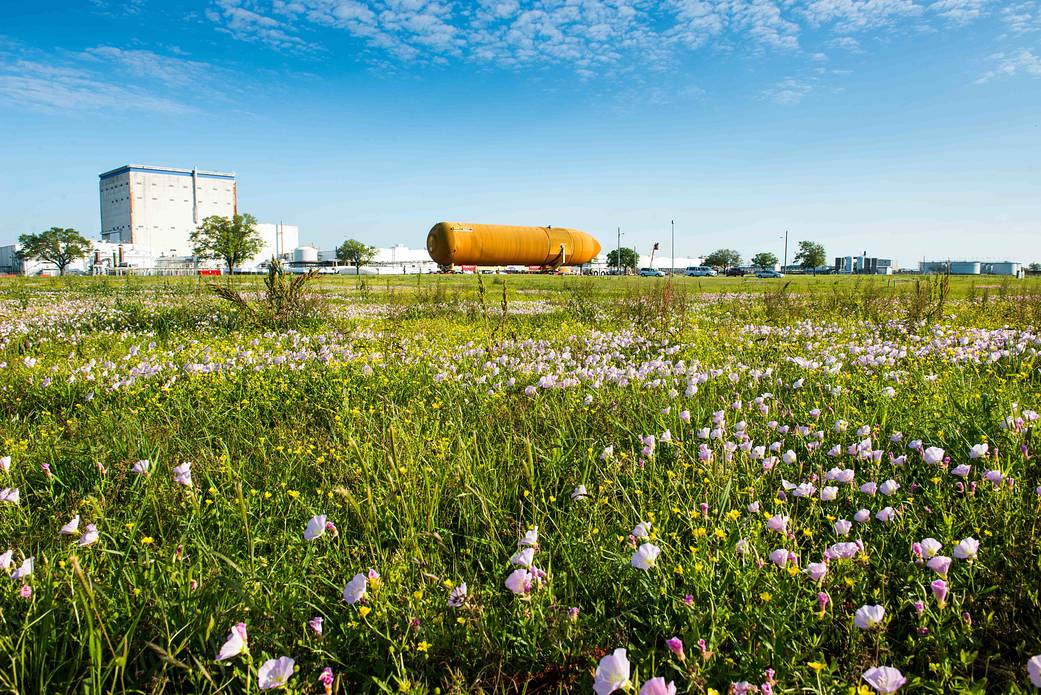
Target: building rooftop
[166,170]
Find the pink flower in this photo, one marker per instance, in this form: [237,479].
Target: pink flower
[141,467]
[235,644]
[612,673]
[657,686]
[316,624]
[780,557]
[26,591]
[326,679]
[9,495]
[978,451]
[275,673]
[24,570]
[5,464]
[842,527]
[939,588]
[939,564]
[777,523]
[183,474]
[642,530]
[675,645]
[816,571]
[930,546]
[884,679]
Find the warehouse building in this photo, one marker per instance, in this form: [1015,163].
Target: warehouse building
[159,207]
[1006,268]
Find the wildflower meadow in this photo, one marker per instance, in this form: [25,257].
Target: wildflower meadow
[521,484]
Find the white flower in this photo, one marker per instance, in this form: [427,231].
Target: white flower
[183,474]
[884,679]
[71,527]
[5,463]
[355,589]
[141,467]
[829,493]
[235,644]
[645,557]
[89,537]
[275,673]
[6,560]
[25,570]
[519,582]
[523,557]
[612,673]
[930,546]
[579,492]
[842,527]
[889,488]
[10,495]
[933,454]
[458,596]
[967,549]
[1034,670]
[862,516]
[885,514]
[869,617]
[530,539]
[978,451]
[642,530]
[315,527]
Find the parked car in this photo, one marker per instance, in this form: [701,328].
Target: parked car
[769,274]
[651,273]
[735,272]
[700,271]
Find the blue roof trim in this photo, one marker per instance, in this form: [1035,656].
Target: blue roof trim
[169,172]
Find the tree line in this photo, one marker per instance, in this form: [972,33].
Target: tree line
[232,240]
[810,256]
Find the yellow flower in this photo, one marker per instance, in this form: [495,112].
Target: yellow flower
[679,570]
[461,620]
[423,646]
[765,597]
[147,540]
[418,595]
[364,611]
[817,666]
[720,533]
[448,583]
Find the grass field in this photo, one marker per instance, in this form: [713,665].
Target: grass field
[483,483]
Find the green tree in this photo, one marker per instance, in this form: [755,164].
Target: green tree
[233,240]
[764,260]
[1034,267]
[58,245]
[811,255]
[356,253]
[723,258]
[629,259]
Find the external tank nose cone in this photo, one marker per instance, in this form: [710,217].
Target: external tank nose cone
[437,245]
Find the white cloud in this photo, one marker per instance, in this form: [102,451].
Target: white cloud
[173,71]
[1023,17]
[857,15]
[960,11]
[54,89]
[1023,61]
[788,92]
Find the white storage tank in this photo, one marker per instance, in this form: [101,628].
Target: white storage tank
[305,254]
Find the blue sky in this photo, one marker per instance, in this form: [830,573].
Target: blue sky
[905,128]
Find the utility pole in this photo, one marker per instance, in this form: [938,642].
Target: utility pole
[785,251]
[672,263]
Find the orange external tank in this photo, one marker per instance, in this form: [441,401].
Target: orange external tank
[462,243]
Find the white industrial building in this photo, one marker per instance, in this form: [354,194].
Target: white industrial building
[159,207]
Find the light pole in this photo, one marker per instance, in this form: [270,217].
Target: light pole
[672,263]
[618,254]
[785,251]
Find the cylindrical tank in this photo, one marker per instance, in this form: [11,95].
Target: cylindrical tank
[305,254]
[461,243]
[965,268]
